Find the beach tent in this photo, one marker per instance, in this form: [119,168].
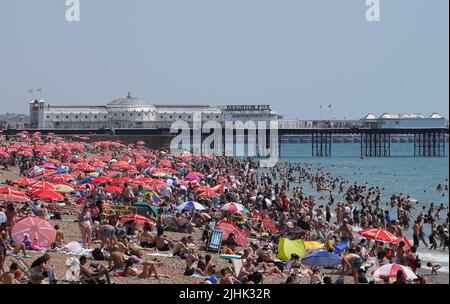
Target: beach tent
[321,259]
[287,247]
[229,227]
[313,245]
[145,209]
[340,247]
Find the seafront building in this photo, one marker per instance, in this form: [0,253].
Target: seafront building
[132,113]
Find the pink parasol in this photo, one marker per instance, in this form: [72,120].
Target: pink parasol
[39,229]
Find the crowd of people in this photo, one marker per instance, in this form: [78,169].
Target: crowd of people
[109,179]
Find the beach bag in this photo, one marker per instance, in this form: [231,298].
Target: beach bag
[97,254]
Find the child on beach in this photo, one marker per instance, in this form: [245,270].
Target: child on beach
[434,268]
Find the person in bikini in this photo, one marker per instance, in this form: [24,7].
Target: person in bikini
[146,237]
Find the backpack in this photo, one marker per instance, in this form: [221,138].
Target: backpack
[97,254]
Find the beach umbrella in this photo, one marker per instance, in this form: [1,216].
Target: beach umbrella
[408,243]
[10,194]
[137,218]
[229,227]
[389,271]
[204,189]
[113,189]
[208,194]
[39,229]
[191,206]
[46,194]
[233,207]
[64,188]
[102,180]
[24,182]
[43,185]
[379,234]
[321,259]
[60,177]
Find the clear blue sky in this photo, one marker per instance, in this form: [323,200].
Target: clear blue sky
[293,54]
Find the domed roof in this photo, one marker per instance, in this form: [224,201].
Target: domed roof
[129,102]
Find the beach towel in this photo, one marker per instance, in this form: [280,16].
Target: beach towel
[75,248]
[229,256]
[165,255]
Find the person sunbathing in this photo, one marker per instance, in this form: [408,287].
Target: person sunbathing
[93,277]
[146,237]
[180,248]
[228,277]
[117,259]
[162,243]
[149,270]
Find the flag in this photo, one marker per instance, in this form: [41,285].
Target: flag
[329,106]
[321,106]
[30,91]
[39,90]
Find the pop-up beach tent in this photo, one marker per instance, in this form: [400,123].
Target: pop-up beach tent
[287,247]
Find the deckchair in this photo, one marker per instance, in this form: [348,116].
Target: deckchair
[215,241]
[237,265]
[22,266]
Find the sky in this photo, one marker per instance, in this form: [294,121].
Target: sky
[292,54]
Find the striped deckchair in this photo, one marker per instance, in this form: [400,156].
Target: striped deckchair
[215,241]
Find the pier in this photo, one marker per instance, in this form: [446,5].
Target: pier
[375,142]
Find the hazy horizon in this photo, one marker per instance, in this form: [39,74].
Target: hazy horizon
[292,54]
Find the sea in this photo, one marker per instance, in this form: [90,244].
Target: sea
[417,177]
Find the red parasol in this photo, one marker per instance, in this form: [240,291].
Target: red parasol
[137,218]
[43,185]
[229,227]
[24,182]
[46,194]
[113,189]
[379,234]
[208,194]
[10,194]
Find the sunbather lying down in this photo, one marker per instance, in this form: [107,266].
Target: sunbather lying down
[149,269]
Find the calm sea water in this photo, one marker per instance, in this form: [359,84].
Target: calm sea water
[400,173]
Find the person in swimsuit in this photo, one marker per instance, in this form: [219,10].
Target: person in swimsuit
[85,225]
[162,243]
[107,233]
[146,237]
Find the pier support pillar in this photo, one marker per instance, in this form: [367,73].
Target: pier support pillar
[321,144]
[375,144]
[429,144]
